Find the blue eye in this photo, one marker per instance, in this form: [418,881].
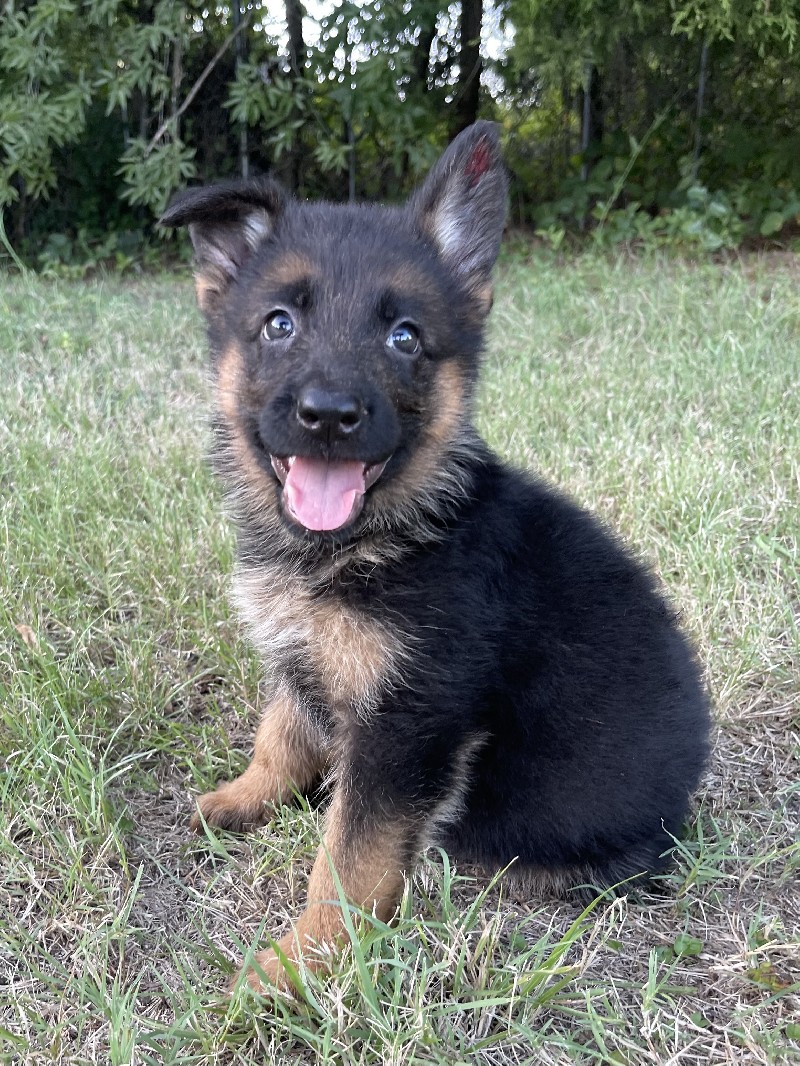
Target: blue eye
[404,338]
[278,326]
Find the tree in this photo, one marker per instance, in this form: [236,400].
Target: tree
[705,86]
[470,66]
[650,108]
[294,26]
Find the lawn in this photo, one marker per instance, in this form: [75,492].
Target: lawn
[666,396]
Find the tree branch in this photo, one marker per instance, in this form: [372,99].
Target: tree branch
[195,89]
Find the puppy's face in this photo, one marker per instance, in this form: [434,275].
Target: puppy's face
[346,338]
[333,338]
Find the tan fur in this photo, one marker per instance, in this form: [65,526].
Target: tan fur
[356,658]
[256,483]
[450,808]
[408,277]
[447,407]
[485,298]
[288,755]
[206,287]
[370,870]
[291,269]
[448,404]
[229,382]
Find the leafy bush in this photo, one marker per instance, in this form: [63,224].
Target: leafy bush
[83,255]
[671,123]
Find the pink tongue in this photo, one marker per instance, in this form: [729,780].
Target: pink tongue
[322,494]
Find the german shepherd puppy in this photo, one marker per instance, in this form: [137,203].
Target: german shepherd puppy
[469,658]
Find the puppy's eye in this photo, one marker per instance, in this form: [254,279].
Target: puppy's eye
[404,338]
[277,327]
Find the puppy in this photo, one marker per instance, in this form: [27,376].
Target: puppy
[470,658]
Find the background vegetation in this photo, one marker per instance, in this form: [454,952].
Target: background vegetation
[663,394]
[664,121]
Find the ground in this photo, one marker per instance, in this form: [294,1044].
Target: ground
[663,394]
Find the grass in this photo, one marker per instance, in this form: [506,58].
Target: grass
[664,395]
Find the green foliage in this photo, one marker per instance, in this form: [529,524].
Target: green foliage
[713,89]
[59,60]
[697,218]
[81,256]
[175,98]
[152,175]
[765,25]
[274,105]
[108,107]
[359,109]
[40,108]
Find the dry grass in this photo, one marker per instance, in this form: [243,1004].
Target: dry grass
[664,395]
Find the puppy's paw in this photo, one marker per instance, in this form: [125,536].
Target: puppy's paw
[267,972]
[236,805]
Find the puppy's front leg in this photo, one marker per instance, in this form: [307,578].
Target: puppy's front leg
[289,753]
[369,850]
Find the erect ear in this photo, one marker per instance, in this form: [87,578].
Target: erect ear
[461,206]
[227,222]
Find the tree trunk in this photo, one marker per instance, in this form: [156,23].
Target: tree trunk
[297,63]
[351,162]
[699,112]
[177,77]
[590,102]
[294,26]
[465,105]
[244,154]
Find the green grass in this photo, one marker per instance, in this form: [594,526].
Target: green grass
[664,395]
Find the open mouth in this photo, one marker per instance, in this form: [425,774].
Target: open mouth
[324,494]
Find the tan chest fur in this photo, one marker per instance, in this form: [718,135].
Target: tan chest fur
[354,658]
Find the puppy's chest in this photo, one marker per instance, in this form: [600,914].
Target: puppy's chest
[353,658]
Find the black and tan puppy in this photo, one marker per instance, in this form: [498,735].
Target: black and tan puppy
[472,659]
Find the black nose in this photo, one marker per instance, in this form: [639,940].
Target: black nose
[329,415]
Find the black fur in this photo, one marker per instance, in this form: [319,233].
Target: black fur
[542,705]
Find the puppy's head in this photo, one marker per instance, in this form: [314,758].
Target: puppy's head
[345,338]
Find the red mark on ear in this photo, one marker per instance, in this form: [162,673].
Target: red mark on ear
[479,162]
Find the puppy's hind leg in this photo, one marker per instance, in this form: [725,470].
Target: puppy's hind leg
[289,754]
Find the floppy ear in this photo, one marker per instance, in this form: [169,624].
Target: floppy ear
[461,206]
[227,222]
